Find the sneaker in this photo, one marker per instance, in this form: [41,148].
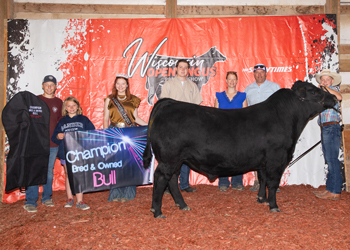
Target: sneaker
[30,208]
[69,203]
[223,189]
[255,187]
[82,205]
[49,203]
[238,187]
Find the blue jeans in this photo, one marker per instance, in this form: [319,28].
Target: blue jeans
[331,136]
[236,180]
[128,193]
[184,177]
[32,192]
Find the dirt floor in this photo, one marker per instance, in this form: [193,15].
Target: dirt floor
[218,220]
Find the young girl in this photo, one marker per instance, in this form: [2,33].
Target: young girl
[73,120]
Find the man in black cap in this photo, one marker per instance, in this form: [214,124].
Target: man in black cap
[49,86]
[258,92]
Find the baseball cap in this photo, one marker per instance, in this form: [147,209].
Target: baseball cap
[50,78]
[259,66]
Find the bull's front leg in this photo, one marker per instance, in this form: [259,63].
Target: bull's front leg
[272,197]
[273,181]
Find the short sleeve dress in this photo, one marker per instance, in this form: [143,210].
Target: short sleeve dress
[129,106]
[122,194]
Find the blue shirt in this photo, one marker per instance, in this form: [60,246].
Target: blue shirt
[235,103]
[68,124]
[257,94]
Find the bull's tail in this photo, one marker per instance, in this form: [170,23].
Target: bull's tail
[147,154]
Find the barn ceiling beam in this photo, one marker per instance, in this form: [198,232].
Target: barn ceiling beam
[216,10]
[171,9]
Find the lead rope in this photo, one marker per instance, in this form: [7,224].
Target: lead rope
[303,154]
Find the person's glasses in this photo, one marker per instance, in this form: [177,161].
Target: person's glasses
[259,67]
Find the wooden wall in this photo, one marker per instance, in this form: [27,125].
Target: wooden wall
[10,9]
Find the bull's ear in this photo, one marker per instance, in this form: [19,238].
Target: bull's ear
[299,87]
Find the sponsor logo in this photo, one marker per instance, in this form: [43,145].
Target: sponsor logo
[272,69]
[160,68]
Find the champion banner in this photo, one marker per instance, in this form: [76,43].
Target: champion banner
[86,54]
[105,159]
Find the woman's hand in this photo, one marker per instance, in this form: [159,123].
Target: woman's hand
[138,120]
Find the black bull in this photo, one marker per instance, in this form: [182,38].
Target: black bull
[220,142]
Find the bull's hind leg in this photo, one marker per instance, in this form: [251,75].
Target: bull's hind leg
[159,185]
[175,192]
[262,186]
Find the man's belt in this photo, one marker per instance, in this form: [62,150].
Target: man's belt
[328,123]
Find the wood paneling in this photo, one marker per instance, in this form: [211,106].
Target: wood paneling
[171,10]
[344,65]
[346,141]
[345,89]
[6,11]
[22,15]
[197,11]
[345,10]
[344,49]
[82,9]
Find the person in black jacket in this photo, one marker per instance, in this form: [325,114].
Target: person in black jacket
[49,86]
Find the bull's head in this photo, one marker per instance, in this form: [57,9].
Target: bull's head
[309,93]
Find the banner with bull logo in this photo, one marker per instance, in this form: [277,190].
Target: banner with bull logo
[107,158]
[86,54]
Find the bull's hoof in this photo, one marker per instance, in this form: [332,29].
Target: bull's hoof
[261,200]
[152,210]
[274,210]
[160,217]
[177,205]
[187,208]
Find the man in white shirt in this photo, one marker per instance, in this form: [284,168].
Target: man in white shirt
[181,88]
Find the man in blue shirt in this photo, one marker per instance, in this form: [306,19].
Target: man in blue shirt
[258,92]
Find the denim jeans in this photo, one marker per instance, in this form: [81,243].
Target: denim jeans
[128,193]
[32,192]
[184,177]
[236,180]
[331,136]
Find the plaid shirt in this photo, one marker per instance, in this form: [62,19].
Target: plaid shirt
[330,115]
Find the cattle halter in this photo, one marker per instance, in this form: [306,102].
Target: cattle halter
[326,90]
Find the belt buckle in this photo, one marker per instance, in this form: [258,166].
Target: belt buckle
[121,125]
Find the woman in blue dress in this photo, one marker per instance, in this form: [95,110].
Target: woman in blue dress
[231,99]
